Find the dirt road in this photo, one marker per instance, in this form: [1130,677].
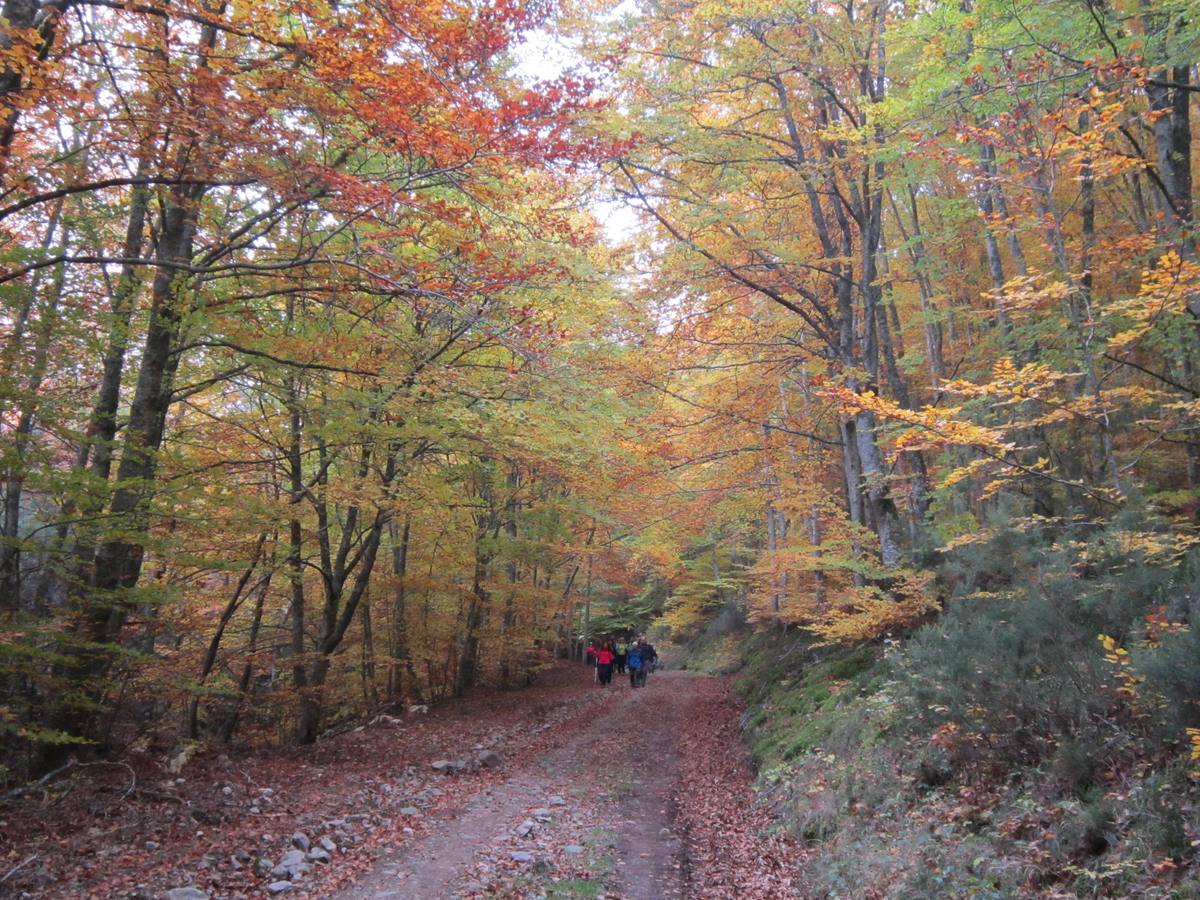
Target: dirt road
[593,815]
[599,792]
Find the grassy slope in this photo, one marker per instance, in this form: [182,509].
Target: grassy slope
[892,812]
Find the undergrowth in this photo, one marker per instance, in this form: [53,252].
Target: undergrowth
[1030,742]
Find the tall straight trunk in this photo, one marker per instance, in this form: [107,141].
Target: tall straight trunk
[813,517]
[104,600]
[914,238]
[119,560]
[509,620]
[852,473]
[370,688]
[1169,92]
[986,200]
[400,661]
[875,481]
[468,660]
[102,424]
[99,442]
[295,460]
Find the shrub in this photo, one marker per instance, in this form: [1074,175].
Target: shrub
[1019,676]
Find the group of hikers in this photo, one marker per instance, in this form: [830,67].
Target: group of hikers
[638,657]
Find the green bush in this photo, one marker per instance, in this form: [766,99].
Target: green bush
[1172,675]
[1019,674]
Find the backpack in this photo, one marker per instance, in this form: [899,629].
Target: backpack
[635,661]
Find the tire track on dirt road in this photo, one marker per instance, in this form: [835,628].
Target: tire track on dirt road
[614,779]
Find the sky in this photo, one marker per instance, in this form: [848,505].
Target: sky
[544,55]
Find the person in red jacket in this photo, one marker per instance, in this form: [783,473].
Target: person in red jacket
[604,662]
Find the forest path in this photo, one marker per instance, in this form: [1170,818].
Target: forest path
[592,814]
[598,791]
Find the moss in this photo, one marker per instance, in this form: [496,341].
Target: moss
[800,699]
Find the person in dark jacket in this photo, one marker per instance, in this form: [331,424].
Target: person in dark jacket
[633,661]
[649,656]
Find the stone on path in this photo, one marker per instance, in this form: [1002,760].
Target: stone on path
[279,887]
[525,828]
[301,841]
[292,865]
[489,759]
[186,893]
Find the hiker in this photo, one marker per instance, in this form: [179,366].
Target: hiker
[590,653]
[604,663]
[622,651]
[633,660]
[649,659]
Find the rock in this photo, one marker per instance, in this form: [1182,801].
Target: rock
[279,887]
[556,801]
[292,865]
[151,845]
[443,766]
[227,791]
[522,856]
[254,810]
[573,850]
[263,867]
[408,831]
[318,855]
[525,828]
[301,841]
[489,759]
[186,893]
[541,814]
[410,811]
[328,845]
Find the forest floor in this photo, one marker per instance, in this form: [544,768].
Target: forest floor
[597,792]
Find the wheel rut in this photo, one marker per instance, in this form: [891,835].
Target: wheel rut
[593,813]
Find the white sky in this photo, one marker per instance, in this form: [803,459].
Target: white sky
[546,54]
